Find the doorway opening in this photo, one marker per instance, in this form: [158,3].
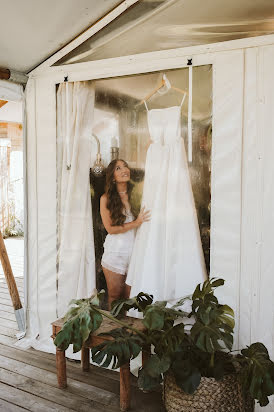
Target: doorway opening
[11,209]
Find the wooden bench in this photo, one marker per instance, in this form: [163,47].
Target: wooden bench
[94,340]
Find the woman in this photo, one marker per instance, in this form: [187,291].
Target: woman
[120,222]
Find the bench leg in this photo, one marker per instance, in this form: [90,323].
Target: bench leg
[125,387]
[61,368]
[85,359]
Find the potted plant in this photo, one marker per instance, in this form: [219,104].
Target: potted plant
[191,351]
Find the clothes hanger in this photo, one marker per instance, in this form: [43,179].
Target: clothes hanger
[163,83]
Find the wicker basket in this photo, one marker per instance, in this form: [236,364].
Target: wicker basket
[225,395]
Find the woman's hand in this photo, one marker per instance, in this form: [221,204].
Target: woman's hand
[144,216]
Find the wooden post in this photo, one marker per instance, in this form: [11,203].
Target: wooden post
[125,387]
[4,74]
[61,368]
[9,275]
[2,103]
[85,359]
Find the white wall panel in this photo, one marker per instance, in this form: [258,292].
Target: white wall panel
[226,175]
[251,187]
[257,258]
[265,325]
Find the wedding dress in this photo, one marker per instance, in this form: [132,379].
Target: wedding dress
[167,259]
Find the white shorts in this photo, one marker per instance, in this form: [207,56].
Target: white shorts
[115,262]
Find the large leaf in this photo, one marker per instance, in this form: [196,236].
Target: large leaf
[157,316]
[168,341]
[154,318]
[139,302]
[213,329]
[257,373]
[116,353]
[155,366]
[208,338]
[151,375]
[81,320]
[147,382]
[207,288]
[186,374]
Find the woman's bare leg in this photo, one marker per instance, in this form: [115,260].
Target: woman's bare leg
[115,285]
[127,291]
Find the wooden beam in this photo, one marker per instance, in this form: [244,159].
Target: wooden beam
[151,61]
[99,25]
[2,103]
[13,76]
[4,74]
[16,301]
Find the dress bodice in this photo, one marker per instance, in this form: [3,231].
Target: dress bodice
[121,243]
[129,215]
[165,125]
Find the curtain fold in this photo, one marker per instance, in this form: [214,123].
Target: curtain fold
[75,258]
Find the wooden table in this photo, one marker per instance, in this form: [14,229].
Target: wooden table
[94,340]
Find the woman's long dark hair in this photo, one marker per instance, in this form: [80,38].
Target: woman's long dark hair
[114,202]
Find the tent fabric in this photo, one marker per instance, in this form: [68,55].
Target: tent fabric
[49,290]
[76,256]
[242,193]
[11,91]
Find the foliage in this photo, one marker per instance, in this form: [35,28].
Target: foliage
[187,344]
[214,322]
[139,302]
[14,225]
[257,372]
[15,228]
[82,319]
[116,353]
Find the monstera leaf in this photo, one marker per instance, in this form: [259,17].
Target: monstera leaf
[116,353]
[80,321]
[157,316]
[151,375]
[146,382]
[157,365]
[138,302]
[207,288]
[209,335]
[167,341]
[257,374]
[214,322]
[187,375]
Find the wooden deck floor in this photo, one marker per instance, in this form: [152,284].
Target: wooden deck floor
[28,377]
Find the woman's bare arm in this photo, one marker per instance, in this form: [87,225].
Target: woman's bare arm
[113,230]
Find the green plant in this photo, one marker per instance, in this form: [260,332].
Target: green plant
[15,226]
[190,345]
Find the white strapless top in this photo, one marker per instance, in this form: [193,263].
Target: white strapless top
[121,243]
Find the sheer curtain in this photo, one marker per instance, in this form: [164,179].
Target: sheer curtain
[75,151]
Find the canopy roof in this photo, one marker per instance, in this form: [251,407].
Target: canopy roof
[33,31]
[174,24]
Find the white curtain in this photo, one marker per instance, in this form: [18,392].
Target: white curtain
[75,258]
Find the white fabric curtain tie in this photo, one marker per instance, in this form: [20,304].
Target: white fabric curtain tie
[67,128]
[189,122]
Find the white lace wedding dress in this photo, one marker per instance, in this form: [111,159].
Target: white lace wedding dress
[167,259]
